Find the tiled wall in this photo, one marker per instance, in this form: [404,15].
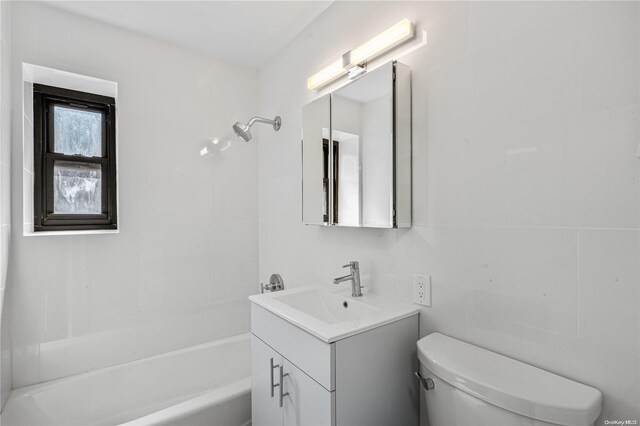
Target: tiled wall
[5,199]
[185,258]
[526,185]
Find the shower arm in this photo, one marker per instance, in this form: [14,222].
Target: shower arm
[276,122]
[260,120]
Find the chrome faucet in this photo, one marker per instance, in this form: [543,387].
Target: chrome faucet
[354,276]
[276,283]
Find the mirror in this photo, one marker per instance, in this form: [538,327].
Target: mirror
[362,178]
[315,162]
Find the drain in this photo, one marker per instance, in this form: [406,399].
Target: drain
[345,304]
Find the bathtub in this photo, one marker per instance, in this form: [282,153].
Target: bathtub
[208,384]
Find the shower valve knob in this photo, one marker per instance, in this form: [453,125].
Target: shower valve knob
[276,283]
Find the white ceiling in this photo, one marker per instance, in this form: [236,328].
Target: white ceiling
[248,33]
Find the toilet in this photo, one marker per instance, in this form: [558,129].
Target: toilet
[469,386]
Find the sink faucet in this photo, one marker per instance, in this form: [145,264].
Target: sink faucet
[354,276]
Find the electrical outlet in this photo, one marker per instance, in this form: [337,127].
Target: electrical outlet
[422,289]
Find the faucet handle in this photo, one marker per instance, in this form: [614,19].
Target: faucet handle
[275,283]
[352,264]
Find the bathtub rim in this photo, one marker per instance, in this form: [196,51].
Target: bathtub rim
[26,390]
[210,398]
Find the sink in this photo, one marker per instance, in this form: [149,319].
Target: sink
[332,314]
[327,307]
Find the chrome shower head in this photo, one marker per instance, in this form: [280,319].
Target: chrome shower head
[243,132]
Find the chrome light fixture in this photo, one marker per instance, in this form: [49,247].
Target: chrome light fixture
[353,60]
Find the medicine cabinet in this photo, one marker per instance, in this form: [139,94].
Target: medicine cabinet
[356,152]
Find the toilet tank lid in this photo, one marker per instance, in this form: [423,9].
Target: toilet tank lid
[509,384]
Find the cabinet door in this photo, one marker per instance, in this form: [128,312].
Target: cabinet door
[265,408]
[308,403]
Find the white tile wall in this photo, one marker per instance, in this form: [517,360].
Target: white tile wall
[5,200]
[526,183]
[185,259]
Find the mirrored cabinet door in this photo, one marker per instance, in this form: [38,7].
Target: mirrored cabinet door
[362,129]
[316,117]
[364,158]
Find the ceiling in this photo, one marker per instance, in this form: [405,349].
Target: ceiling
[248,33]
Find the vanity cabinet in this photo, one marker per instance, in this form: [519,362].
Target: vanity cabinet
[364,379]
[304,401]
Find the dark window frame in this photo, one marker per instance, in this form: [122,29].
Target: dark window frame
[44,98]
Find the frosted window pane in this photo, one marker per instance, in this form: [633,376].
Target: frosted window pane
[77,188]
[77,131]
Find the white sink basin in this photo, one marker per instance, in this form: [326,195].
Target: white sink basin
[332,314]
[327,307]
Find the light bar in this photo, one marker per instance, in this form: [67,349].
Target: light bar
[326,75]
[388,39]
[400,32]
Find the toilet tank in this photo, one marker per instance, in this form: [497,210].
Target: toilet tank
[477,387]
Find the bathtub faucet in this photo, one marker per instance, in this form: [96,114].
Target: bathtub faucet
[275,283]
[354,276]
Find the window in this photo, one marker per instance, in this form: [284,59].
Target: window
[75,161]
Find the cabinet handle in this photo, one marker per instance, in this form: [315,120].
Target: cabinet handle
[282,393]
[273,386]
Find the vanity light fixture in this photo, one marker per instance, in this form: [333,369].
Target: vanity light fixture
[352,61]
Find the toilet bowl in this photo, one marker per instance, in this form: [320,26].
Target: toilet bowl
[471,386]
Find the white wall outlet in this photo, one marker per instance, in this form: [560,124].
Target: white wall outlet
[422,289]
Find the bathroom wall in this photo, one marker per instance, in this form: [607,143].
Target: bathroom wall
[5,199]
[179,271]
[526,186]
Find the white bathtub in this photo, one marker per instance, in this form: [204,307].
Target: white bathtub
[208,384]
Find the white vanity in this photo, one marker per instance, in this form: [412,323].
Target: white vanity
[323,357]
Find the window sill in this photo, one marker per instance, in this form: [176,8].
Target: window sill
[29,232]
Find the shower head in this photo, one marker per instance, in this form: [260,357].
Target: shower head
[243,132]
